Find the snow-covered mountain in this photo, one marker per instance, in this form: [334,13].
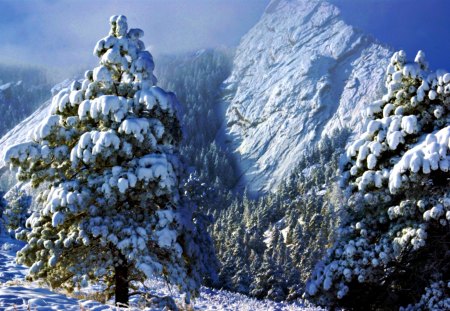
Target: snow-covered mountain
[22,90]
[298,74]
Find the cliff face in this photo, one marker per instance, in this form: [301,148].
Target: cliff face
[300,73]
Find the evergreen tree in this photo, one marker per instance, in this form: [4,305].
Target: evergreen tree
[107,155]
[240,255]
[396,242]
[2,210]
[16,209]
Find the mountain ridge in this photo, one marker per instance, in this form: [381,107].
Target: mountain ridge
[298,75]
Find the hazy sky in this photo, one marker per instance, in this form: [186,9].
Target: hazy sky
[62,34]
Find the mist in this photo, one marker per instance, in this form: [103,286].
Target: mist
[60,35]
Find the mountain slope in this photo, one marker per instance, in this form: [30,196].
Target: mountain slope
[298,74]
[22,90]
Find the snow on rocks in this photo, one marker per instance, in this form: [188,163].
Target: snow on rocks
[275,103]
[31,297]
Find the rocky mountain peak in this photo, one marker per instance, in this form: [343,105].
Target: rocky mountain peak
[299,74]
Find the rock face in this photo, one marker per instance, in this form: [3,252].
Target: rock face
[300,73]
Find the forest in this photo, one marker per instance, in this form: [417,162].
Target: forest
[133,174]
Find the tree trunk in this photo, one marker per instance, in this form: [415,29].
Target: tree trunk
[121,280]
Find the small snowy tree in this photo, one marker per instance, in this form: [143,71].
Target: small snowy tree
[2,211]
[16,209]
[396,241]
[111,211]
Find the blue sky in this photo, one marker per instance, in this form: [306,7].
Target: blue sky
[62,33]
[410,25]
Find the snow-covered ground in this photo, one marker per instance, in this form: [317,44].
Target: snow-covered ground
[18,294]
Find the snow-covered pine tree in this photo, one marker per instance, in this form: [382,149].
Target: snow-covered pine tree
[2,211]
[16,209]
[111,210]
[395,245]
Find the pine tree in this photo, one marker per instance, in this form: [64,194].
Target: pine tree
[111,209]
[16,209]
[2,211]
[396,241]
[240,256]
